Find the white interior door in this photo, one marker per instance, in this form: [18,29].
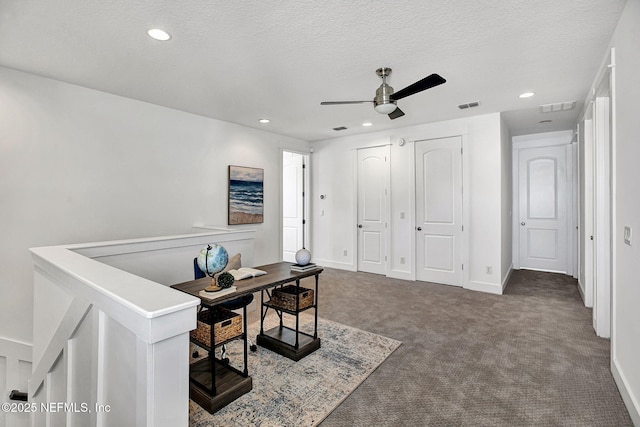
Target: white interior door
[602,218]
[373,178]
[292,204]
[588,264]
[543,208]
[439,210]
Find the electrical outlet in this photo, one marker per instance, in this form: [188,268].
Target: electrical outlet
[401,215]
[401,260]
[627,234]
[344,253]
[489,269]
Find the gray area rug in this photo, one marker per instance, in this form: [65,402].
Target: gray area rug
[303,393]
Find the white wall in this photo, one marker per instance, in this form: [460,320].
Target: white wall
[334,175]
[506,154]
[626,297]
[78,165]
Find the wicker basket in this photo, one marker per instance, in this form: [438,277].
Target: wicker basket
[227,325]
[285,297]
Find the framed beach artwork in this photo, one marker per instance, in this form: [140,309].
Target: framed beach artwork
[246,203]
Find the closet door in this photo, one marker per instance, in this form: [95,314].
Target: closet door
[373,178]
[439,210]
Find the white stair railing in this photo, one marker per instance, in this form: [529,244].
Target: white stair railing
[111,348]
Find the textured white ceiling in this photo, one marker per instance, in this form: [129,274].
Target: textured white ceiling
[240,61]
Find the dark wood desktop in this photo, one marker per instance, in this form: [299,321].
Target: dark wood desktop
[213,384]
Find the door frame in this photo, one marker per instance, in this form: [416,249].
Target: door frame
[571,178]
[306,201]
[603,219]
[601,103]
[586,250]
[458,267]
[387,210]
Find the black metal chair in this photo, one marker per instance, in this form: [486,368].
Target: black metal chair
[234,304]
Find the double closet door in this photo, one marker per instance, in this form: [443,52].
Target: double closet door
[438,175]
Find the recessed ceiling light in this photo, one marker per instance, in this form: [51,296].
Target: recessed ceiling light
[158,34]
[527,95]
[367,124]
[264,121]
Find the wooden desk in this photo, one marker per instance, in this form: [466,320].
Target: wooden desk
[212,384]
[289,342]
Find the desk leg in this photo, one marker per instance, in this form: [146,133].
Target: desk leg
[212,354]
[244,313]
[315,323]
[262,312]
[297,312]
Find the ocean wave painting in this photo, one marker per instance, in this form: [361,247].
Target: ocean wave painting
[246,198]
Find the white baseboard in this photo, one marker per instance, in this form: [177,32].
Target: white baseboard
[336,264]
[403,275]
[581,292]
[628,397]
[506,279]
[491,288]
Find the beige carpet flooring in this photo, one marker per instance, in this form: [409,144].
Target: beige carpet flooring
[526,358]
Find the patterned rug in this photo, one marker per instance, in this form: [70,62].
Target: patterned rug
[287,393]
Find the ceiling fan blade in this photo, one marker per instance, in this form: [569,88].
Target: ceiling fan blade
[424,84]
[396,113]
[342,102]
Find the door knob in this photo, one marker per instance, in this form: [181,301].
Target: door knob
[419,228]
[359,225]
[522,223]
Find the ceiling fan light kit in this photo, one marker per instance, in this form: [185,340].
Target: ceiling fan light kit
[385,101]
[382,103]
[387,108]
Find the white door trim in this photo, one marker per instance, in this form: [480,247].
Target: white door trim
[539,141]
[587,264]
[387,207]
[603,220]
[601,97]
[458,275]
[307,192]
[353,264]
[464,251]
[466,201]
[572,207]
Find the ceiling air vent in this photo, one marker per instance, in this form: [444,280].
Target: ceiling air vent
[558,106]
[469,105]
[340,128]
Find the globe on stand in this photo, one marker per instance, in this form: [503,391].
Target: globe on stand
[211,260]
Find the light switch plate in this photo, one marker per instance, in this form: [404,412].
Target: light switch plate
[627,235]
